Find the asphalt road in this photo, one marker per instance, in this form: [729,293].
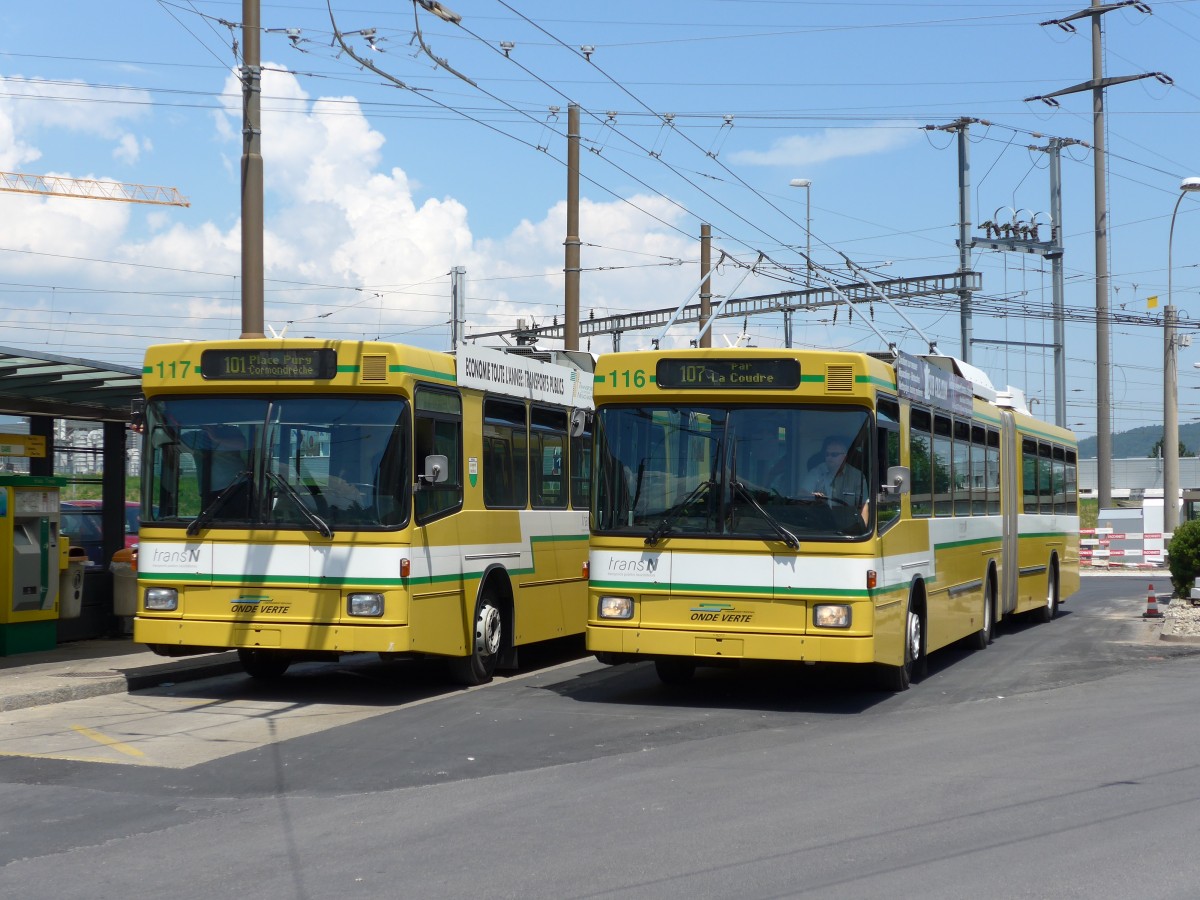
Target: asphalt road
[1060,762]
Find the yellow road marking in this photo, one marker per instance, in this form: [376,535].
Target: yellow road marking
[107,741]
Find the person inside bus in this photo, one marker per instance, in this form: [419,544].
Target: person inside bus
[834,480]
[224,448]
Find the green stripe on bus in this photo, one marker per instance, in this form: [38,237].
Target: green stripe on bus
[969,542]
[426,373]
[878,382]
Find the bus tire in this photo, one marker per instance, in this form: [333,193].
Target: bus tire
[898,678]
[264,665]
[980,639]
[487,641]
[1048,610]
[675,670]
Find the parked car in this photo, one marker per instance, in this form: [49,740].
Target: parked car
[79,520]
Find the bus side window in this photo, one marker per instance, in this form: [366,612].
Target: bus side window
[1045,478]
[581,470]
[943,498]
[992,477]
[888,448]
[1071,488]
[548,450]
[978,467]
[1029,473]
[438,431]
[920,461]
[961,467]
[505,470]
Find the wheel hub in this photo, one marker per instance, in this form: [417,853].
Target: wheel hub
[487,631]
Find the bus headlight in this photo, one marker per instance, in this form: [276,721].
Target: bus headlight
[831,615]
[162,599]
[364,604]
[616,607]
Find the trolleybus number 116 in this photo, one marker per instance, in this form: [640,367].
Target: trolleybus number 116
[625,378]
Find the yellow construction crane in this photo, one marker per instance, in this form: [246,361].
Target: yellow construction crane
[90,189]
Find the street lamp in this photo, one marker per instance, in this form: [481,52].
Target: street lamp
[1170,383]
[807,185]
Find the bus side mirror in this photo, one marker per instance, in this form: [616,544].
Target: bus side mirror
[437,470]
[579,421]
[899,480]
[137,414]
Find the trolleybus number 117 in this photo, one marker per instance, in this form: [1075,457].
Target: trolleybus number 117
[173,369]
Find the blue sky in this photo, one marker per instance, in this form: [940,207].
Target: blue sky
[699,111]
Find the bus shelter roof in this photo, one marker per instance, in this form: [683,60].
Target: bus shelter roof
[40,384]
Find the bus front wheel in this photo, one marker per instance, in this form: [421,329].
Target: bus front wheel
[898,678]
[487,640]
[264,664]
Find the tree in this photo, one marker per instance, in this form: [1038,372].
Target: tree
[1156,450]
[1183,557]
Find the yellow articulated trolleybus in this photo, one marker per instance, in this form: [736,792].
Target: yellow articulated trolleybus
[819,506]
[303,499]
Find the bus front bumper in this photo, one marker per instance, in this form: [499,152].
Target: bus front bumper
[647,643]
[297,637]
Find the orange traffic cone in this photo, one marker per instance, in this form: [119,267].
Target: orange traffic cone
[1151,605]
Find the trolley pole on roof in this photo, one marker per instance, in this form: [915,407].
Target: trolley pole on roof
[252,175]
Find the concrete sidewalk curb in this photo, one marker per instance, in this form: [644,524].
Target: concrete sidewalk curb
[45,688]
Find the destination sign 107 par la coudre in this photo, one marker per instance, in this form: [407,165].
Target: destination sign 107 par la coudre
[770,374]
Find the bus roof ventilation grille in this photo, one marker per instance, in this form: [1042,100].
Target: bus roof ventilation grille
[839,379]
[374,368]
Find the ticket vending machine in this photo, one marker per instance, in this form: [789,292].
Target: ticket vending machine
[31,559]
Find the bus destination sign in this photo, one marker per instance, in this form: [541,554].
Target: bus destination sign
[757,374]
[269,365]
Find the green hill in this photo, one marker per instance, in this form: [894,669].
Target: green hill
[1137,442]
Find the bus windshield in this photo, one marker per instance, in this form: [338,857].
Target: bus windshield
[765,472]
[320,463]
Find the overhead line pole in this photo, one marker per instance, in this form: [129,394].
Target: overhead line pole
[964,232]
[252,174]
[1103,354]
[572,263]
[706,285]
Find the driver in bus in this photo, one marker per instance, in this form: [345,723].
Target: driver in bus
[834,480]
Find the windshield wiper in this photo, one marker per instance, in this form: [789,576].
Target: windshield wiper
[207,514]
[786,536]
[296,498]
[665,525]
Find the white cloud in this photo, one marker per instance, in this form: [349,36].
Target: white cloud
[830,144]
[351,247]
[29,107]
[128,150]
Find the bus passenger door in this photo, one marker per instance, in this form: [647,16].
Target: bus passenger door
[437,608]
[1010,510]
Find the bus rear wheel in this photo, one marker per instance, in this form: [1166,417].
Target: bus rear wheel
[1049,609]
[980,639]
[486,643]
[264,664]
